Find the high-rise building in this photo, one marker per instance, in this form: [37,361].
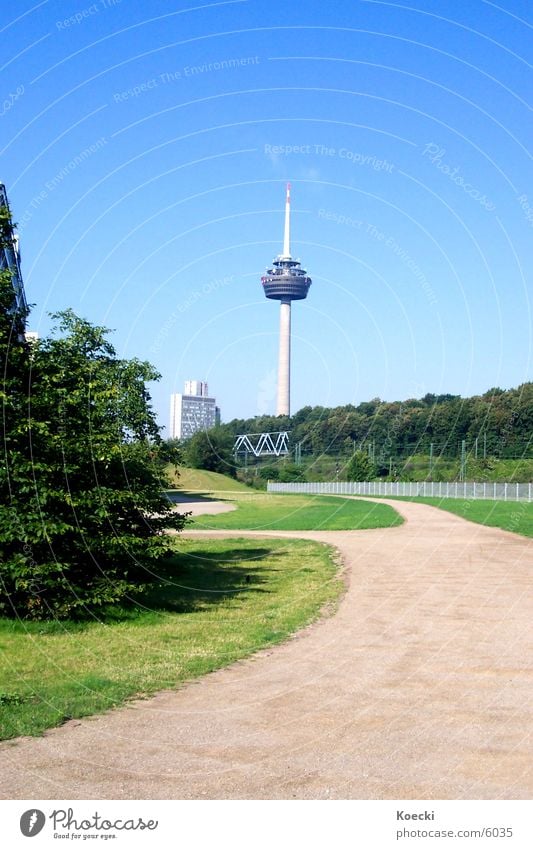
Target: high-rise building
[286,281]
[196,387]
[10,259]
[192,410]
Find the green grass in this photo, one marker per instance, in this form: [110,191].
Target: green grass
[270,512]
[512,516]
[198,480]
[202,616]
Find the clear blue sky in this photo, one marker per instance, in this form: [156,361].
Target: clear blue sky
[145,149]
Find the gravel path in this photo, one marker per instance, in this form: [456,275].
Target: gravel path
[201,506]
[418,688]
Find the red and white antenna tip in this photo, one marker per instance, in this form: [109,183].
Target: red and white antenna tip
[288,191]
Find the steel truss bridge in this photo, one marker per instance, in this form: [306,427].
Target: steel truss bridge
[262,444]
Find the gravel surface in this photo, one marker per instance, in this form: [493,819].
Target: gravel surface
[198,506]
[419,687]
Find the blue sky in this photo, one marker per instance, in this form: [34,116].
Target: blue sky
[145,149]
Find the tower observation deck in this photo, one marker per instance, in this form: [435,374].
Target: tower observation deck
[285,281]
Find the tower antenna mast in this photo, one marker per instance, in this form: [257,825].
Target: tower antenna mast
[287,233]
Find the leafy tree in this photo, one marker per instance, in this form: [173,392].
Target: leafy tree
[170,453]
[83,521]
[290,472]
[211,450]
[15,374]
[268,472]
[359,467]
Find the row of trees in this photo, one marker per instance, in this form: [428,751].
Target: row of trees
[500,420]
[82,514]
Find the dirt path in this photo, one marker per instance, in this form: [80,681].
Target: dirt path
[418,688]
[198,506]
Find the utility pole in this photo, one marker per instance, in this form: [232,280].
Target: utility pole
[462,475]
[475,448]
[431,461]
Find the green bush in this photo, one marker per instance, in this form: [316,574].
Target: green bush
[83,516]
[359,467]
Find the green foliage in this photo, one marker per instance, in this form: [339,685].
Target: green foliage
[211,450]
[501,421]
[269,472]
[359,467]
[170,452]
[290,472]
[82,516]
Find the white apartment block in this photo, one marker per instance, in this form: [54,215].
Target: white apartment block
[192,410]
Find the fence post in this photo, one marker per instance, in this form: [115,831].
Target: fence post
[517,492]
[505,492]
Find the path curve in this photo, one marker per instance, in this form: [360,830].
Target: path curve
[418,688]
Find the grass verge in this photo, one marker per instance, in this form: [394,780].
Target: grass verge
[198,480]
[270,512]
[515,516]
[220,600]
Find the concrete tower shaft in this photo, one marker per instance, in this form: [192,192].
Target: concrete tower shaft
[283,406]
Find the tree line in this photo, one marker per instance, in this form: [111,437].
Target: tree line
[498,423]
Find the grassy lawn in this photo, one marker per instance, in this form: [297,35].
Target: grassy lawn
[516,516]
[204,614]
[272,512]
[198,480]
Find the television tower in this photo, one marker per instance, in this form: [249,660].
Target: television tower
[286,281]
